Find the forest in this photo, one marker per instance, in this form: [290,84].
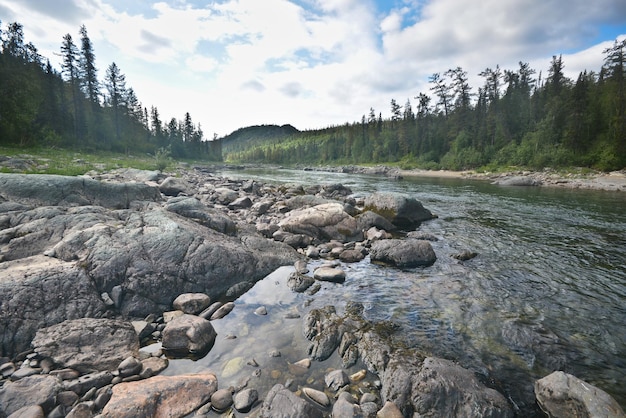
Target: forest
[72,109]
[518,117]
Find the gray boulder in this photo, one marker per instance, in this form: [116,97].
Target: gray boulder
[53,190]
[518,181]
[34,390]
[282,403]
[445,389]
[403,253]
[88,344]
[188,334]
[173,186]
[403,211]
[368,219]
[562,395]
[161,396]
[192,303]
[327,222]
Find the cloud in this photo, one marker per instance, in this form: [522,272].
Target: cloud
[313,62]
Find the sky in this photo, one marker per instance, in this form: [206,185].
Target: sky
[313,63]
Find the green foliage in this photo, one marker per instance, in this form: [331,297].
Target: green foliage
[41,107]
[163,158]
[515,121]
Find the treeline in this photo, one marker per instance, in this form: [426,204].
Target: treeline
[517,117]
[40,106]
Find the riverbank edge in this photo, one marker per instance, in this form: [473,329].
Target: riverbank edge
[595,180]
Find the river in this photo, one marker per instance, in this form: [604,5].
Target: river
[546,292]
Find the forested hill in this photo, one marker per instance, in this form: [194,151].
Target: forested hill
[252,136]
[75,109]
[517,117]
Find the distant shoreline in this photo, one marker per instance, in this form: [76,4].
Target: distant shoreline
[613,181]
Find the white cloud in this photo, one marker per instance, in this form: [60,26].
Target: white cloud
[312,63]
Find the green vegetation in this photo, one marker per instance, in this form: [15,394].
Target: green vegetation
[46,160]
[42,108]
[514,119]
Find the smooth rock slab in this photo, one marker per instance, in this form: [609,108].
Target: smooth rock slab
[161,396]
[563,395]
[88,344]
[403,253]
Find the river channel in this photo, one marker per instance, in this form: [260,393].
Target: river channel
[546,292]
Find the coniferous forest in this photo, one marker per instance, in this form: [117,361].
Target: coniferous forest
[517,117]
[74,109]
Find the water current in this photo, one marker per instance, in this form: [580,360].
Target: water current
[546,292]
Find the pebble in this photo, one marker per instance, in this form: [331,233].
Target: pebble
[222,399]
[261,311]
[317,396]
[358,376]
[223,311]
[336,379]
[244,400]
[130,366]
[274,353]
[389,410]
[24,372]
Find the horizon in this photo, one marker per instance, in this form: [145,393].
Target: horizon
[312,63]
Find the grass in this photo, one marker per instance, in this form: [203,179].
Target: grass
[73,163]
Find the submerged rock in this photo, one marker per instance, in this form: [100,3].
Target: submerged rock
[281,402]
[562,395]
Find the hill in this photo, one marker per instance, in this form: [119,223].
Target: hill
[252,136]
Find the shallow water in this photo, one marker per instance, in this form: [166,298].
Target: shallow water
[546,292]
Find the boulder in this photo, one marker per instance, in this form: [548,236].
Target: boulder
[161,396]
[327,222]
[562,395]
[54,190]
[281,402]
[37,390]
[403,211]
[245,399]
[369,219]
[173,186]
[323,328]
[330,274]
[88,344]
[518,181]
[191,303]
[299,282]
[403,253]
[445,389]
[188,334]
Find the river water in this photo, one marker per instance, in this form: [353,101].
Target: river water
[546,292]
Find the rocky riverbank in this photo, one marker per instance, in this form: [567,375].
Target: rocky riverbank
[588,180]
[94,268]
